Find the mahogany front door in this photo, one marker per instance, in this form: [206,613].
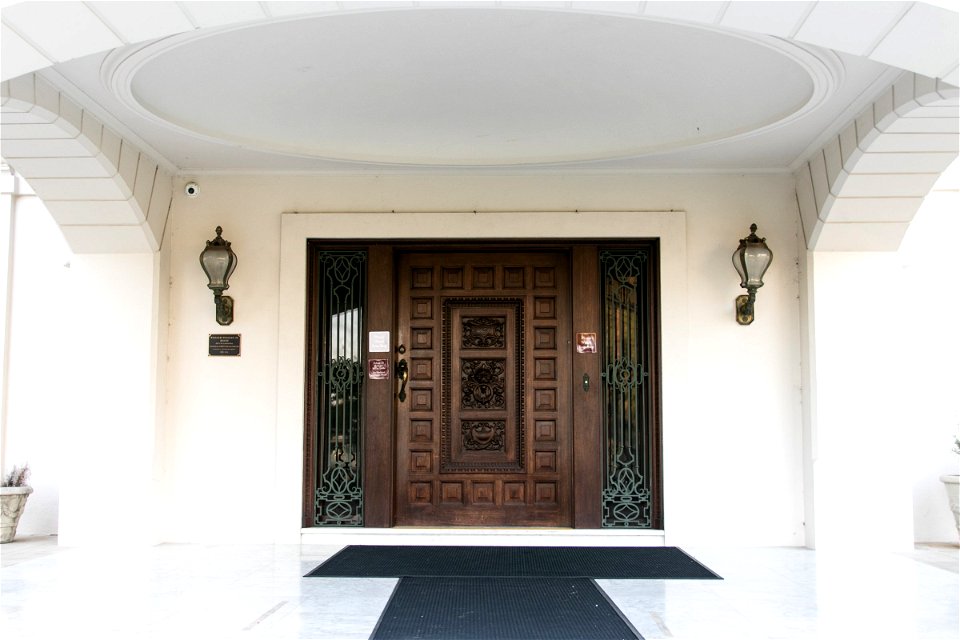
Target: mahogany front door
[483,419]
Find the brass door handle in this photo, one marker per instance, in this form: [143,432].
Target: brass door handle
[403,372]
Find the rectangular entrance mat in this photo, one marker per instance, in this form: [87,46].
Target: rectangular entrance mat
[501,609]
[360,561]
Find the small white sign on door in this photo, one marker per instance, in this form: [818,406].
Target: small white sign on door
[379,342]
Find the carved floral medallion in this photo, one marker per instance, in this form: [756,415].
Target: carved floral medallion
[485,435]
[482,384]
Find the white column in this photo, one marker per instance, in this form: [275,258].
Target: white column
[856,433]
[36,265]
[116,317]
[7,232]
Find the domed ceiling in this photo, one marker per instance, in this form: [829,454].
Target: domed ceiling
[465,89]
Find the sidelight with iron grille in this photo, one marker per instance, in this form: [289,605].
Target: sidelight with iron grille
[342,296]
[627,401]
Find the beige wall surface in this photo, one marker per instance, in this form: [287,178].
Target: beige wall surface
[111,383]
[233,426]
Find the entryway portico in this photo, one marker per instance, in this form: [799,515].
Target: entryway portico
[849,191]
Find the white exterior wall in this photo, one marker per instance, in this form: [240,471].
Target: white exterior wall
[219,457]
[234,452]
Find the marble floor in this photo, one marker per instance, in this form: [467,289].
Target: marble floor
[181,592]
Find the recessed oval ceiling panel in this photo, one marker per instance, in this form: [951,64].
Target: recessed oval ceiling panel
[474,87]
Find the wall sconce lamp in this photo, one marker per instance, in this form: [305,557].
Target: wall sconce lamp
[218,261]
[751,260]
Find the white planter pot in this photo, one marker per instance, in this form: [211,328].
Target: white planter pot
[952,485]
[12,502]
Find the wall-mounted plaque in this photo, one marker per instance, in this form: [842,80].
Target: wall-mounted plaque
[586,343]
[224,344]
[378,369]
[379,342]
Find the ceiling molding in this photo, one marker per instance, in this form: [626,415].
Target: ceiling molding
[120,68]
[35,30]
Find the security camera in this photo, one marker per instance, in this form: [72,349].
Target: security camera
[192,190]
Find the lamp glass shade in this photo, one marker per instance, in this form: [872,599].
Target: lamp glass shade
[218,261]
[751,260]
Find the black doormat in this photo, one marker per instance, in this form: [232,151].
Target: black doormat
[501,609]
[361,561]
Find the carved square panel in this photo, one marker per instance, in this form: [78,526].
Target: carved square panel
[545,493]
[421,431]
[545,399]
[483,384]
[484,332]
[421,399]
[420,493]
[421,368]
[483,435]
[513,278]
[452,277]
[544,277]
[421,338]
[421,278]
[514,493]
[483,493]
[484,277]
[545,461]
[451,492]
[545,431]
[421,461]
[421,308]
[545,369]
[544,308]
[544,338]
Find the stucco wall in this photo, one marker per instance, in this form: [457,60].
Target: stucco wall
[231,471]
[91,348]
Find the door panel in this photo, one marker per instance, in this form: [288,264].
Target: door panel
[483,435]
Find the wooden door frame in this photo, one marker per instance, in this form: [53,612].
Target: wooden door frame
[378,479]
[379,473]
[587,422]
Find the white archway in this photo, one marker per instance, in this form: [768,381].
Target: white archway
[109,196]
[861,190]
[106,195]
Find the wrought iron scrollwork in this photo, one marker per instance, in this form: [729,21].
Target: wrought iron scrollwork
[626,502]
[628,460]
[623,374]
[339,495]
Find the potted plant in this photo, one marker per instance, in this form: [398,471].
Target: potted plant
[13,498]
[952,483]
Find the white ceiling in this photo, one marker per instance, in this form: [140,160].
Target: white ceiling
[474,89]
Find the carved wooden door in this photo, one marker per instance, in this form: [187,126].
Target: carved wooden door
[484,430]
